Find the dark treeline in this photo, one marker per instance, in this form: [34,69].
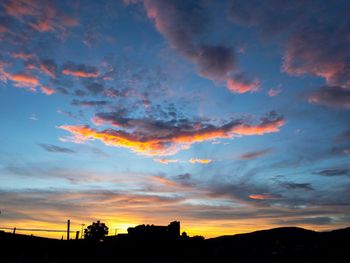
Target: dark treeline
[275,245]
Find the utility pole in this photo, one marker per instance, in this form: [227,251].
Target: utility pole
[68,229]
[82,230]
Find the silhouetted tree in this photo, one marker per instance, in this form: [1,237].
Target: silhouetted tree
[96,231]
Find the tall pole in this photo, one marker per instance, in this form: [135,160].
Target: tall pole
[68,229]
[82,230]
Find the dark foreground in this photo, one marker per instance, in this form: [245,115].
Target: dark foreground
[275,245]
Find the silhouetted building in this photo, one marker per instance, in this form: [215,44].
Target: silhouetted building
[170,231]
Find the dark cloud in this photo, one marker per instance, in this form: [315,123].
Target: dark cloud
[315,34]
[94,88]
[335,97]
[296,186]
[254,155]
[183,24]
[333,172]
[55,148]
[90,103]
[215,62]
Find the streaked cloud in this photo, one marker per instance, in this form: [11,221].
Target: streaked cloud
[254,155]
[333,172]
[264,196]
[165,161]
[55,148]
[201,161]
[80,70]
[47,90]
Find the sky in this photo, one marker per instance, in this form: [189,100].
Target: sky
[229,116]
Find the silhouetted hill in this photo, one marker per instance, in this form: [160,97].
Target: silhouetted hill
[286,244]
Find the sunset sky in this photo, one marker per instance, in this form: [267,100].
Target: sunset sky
[229,116]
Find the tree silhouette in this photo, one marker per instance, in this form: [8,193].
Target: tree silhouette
[96,231]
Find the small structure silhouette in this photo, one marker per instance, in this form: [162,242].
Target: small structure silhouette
[170,231]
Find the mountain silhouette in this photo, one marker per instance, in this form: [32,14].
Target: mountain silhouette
[285,244]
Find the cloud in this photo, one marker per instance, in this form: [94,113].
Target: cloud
[80,70]
[47,90]
[22,55]
[296,186]
[274,92]
[320,220]
[55,148]
[201,161]
[240,84]
[164,180]
[155,137]
[183,24]
[268,125]
[335,97]
[25,80]
[48,67]
[165,161]
[90,103]
[315,37]
[333,172]
[254,155]
[42,16]
[264,196]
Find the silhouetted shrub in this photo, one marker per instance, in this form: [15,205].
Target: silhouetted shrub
[96,231]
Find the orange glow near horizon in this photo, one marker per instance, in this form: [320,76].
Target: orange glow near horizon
[208,229]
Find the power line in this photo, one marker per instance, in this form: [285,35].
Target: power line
[37,230]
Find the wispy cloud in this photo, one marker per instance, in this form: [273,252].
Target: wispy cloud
[55,148]
[201,161]
[254,155]
[165,161]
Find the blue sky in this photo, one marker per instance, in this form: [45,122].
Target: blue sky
[229,116]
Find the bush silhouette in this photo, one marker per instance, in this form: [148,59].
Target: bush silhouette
[96,231]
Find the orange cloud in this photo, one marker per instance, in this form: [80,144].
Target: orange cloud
[20,8]
[3,29]
[47,90]
[43,26]
[164,181]
[23,80]
[263,196]
[240,85]
[267,127]
[202,161]
[149,139]
[118,139]
[43,15]
[80,73]
[165,161]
